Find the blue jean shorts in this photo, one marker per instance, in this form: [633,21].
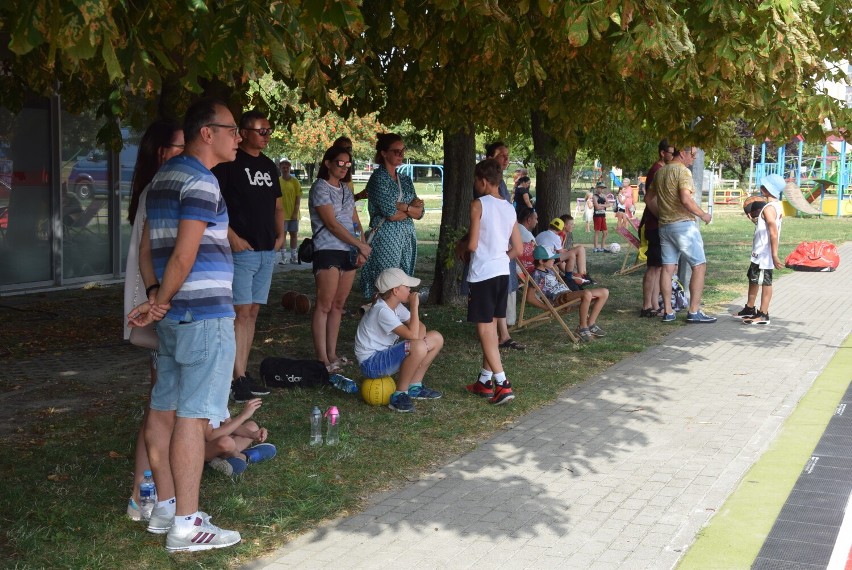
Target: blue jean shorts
[386,362]
[252,276]
[195,364]
[682,238]
[291,226]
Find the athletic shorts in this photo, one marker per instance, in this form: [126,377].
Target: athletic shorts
[195,365]
[333,258]
[600,223]
[386,362]
[654,252]
[253,276]
[682,238]
[291,226]
[758,276]
[486,300]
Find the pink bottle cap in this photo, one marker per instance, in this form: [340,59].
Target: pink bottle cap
[334,413]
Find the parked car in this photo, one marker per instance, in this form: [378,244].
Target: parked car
[88,178]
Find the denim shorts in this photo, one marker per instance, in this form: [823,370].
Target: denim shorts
[291,226]
[194,367]
[682,238]
[252,276]
[386,362]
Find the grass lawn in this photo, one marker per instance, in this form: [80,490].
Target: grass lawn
[66,483]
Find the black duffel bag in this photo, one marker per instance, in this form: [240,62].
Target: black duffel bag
[279,372]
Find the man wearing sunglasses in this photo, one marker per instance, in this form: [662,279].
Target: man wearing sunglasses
[251,190]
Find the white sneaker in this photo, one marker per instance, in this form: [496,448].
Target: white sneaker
[161,520]
[294,259]
[203,535]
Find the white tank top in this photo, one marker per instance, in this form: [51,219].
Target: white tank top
[495,231]
[761,250]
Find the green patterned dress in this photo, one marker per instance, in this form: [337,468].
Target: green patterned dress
[395,243]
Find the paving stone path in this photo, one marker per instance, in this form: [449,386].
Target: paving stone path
[621,471]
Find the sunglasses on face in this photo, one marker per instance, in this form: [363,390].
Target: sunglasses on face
[343,163]
[262,132]
[397,151]
[232,128]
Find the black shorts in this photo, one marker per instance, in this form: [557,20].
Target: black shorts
[486,300]
[654,252]
[758,276]
[329,258]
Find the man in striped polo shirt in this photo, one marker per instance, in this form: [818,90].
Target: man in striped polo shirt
[188,233]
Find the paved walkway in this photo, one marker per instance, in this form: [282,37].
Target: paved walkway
[621,471]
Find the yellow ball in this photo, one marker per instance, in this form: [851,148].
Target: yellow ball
[377,391]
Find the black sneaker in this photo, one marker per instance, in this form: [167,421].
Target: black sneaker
[257,387]
[746,313]
[758,319]
[244,389]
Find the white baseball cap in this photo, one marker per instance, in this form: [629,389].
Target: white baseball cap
[394,277]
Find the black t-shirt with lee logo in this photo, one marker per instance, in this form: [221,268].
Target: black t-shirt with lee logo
[250,187]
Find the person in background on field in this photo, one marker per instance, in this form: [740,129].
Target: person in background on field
[376,343]
[599,218]
[191,258]
[228,439]
[291,199]
[162,140]
[589,211]
[522,194]
[764,252]
[393,205]
[494,240]
[256,232]
[649,230]
[679,234]
[337,252]
[623,204]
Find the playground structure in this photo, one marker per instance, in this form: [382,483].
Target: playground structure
[810,179]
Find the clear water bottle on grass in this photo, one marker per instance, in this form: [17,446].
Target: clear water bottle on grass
[332,431]
[147,495]
[316,426]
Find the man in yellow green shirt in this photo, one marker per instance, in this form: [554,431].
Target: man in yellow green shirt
[291,196]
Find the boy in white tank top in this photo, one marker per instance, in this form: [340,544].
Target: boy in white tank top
[764,252]
[494,240]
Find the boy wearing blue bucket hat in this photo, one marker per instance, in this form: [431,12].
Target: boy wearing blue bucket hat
[764,252]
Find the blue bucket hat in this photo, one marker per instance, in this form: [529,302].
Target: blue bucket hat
[774,184]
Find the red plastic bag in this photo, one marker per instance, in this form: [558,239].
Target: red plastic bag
[813,256]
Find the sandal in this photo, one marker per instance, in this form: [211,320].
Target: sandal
[334,368]
[511,343]
[341,362]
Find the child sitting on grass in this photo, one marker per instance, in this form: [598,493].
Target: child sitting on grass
[376,346]
[558,293]
[227,448]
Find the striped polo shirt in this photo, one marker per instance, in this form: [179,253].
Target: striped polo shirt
[184,189]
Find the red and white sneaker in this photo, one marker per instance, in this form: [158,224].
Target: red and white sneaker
[480,389]
[502,393]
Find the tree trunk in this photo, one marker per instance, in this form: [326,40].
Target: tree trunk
[553,174]
[459,160]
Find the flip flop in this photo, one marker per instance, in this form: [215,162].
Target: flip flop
[333,368]
[513,344]
[341,362]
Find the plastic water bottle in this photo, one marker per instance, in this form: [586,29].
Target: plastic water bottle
[316,426]
[147,495]
[341,382]
[332,429]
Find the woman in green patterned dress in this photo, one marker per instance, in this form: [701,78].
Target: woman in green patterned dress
[393,207]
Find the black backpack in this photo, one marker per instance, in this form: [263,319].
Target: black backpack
[291,373]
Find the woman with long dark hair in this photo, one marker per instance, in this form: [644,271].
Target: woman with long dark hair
[161,141]
[337,252]
[393,206]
